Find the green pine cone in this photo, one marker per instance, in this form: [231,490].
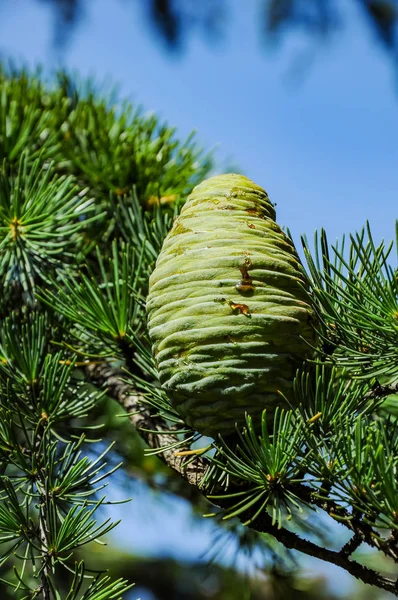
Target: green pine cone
[227,315]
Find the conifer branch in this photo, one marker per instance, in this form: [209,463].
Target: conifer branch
[105,376]
[76,177]
[45,574]
[339,558]
[362,531]
[353,544]
[382,391]
[140,416]
[87,196]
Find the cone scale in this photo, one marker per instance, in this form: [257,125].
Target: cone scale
[228,317]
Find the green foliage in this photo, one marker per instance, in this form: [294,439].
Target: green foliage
[145,229]
[339,448]
[87,194]
[269,463]
[102,588]
[105,310]
[41,217]
[115,150]
[28,117]
[357,300]
[49,485]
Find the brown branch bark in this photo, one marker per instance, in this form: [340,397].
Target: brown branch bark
[353,522]
[381,391]
[339,558]
[106,377]
[45,574]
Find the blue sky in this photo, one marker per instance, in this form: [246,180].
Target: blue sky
[324,145]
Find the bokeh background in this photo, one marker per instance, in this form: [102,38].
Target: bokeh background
[302,97]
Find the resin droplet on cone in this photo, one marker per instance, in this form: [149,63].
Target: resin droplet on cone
[227,315]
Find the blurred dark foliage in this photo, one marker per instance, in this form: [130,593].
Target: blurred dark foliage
[67,13]
[174,20]
[168,579]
